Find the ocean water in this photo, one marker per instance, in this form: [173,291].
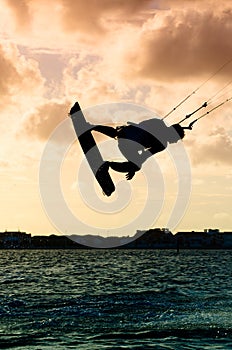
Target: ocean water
[115,299]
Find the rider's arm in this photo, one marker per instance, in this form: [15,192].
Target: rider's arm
[106,130]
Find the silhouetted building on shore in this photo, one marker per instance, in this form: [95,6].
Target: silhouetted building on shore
[164,239]
[15,240]
[54,242]
[207,239]
[155,238]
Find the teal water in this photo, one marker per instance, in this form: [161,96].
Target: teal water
[115,299]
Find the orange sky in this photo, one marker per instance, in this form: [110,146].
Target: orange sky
[149,53]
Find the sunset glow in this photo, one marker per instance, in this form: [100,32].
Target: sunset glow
[143,52]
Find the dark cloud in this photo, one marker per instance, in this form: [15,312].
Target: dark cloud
[21,11]
[89,16]
[188,43]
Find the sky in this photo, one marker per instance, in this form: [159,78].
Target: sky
[149,54]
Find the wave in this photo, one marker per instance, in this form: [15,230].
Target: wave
[197,333]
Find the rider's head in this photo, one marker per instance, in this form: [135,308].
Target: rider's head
[176,133]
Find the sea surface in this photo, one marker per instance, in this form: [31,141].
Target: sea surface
[115,299]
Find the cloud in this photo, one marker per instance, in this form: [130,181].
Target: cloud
[222,216]
[4,164]
[87,80]
[21,81]
[215,148]
[44,119]
[9,74]
[183,43]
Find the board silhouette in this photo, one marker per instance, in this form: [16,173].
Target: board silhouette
[90,149]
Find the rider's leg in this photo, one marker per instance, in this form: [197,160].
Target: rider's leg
[125,167]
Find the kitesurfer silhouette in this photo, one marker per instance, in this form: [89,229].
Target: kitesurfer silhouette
[137,142]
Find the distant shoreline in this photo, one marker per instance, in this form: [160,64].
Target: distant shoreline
[157,238]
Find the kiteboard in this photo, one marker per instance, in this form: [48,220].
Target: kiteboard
[91,151]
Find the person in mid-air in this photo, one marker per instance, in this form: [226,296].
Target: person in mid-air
[137,142]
